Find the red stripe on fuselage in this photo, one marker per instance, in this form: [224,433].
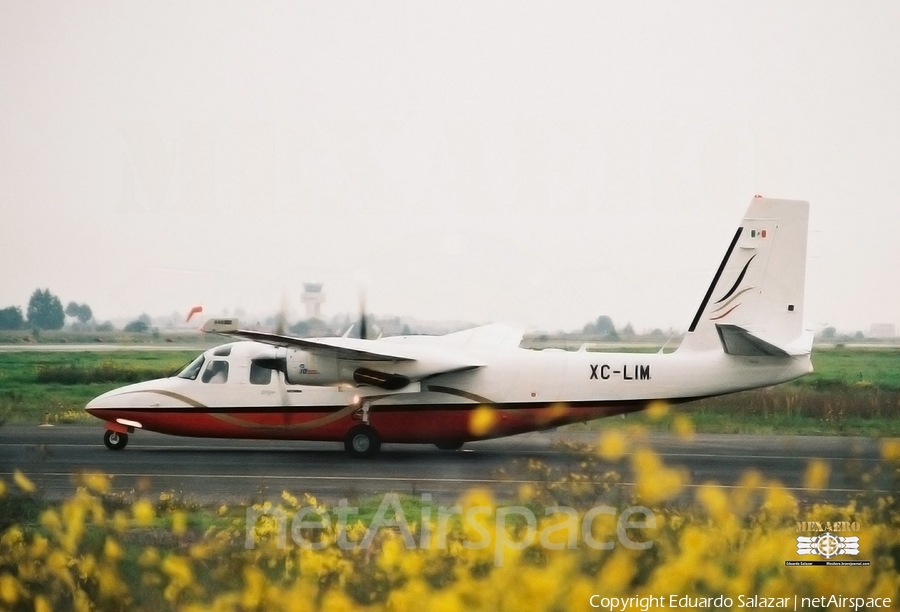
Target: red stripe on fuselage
[394,423]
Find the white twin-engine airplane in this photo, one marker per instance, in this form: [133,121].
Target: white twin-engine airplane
[476,384]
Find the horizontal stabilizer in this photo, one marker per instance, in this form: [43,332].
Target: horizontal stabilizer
[738,341]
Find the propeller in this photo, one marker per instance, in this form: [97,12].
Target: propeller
[281,316]
[367,331]
[363,327]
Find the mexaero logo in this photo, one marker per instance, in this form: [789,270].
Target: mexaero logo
[827,545]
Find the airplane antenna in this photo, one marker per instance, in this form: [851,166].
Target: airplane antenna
[663,347]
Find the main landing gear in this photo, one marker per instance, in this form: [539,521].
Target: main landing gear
[115,440]
[362,442]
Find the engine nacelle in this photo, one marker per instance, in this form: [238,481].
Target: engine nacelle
[303,368]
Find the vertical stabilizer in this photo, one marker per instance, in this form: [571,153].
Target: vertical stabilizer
[757,291]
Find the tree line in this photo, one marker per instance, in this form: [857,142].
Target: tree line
[45,311]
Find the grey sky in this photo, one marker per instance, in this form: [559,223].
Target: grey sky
[539,163]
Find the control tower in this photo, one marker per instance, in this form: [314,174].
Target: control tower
[313,298]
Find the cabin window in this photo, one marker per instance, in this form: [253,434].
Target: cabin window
[191,370]
[216,372]
[260,375]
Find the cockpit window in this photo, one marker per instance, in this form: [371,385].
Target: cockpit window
[223,351]
[216,372]
[191,370]
[259,375]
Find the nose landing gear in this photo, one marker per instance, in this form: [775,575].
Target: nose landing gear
[115,440]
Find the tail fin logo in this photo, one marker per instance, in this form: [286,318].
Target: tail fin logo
[731,296]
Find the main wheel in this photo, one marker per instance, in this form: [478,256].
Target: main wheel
[449,445]
[115,440]
[362,441]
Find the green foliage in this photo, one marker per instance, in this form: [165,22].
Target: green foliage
[107,372]
[82,312]
[137,326]
[602,328]
[45,311]
[11,318]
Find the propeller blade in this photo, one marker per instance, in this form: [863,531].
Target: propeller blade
[281,317]
[363,328]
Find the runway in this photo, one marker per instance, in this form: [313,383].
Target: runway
[211,471]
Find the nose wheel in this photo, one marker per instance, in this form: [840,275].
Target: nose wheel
[115,440]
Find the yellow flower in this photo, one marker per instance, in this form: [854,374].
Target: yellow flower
[109,582]
[40,546]
[552,413]
[816,477]
[95,482]
[526,491]
[612,445]
[112,550]
[336,601]
[120,521]
[23,483]
[474,498]
[179,522]
[143,512]
[654,481]
[390,553]
[683,426]
[657,410]
[890,449]
[482,420]
[779,501]
[9,589]
[617,572]
[2,488]
[149,557]
[178,569]
[50,519]
[715,501]
[254,588]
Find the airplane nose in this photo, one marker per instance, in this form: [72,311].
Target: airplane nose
[93,405]
[100,402]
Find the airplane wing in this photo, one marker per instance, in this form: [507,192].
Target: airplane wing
[342,348]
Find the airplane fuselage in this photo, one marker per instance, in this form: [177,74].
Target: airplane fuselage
[519,390]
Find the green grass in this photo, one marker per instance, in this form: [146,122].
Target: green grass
[56,385]
[68,336]
[854,367]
